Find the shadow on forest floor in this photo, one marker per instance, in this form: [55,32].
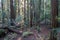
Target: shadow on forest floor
[42,35]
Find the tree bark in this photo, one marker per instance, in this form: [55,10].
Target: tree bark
[54,11]
[12,14]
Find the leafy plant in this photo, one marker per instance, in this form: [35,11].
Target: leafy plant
[2,32]
[25,34]
[38,28]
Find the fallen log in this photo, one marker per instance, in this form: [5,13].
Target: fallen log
[12,30]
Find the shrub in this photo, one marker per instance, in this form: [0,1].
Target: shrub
[25,34]
[2,32]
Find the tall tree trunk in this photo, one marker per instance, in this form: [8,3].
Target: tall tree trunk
[2,3]
[54,12]
[31,12]
[12,13]
[54,4]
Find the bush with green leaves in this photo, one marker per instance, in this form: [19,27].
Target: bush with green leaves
[2,32]
[25,34]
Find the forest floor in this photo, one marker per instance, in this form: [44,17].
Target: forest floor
[42,35]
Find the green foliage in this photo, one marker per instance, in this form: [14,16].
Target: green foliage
[38,28]
[56,31]
[25,34]
[2,32]
[58,19]
[18,19]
